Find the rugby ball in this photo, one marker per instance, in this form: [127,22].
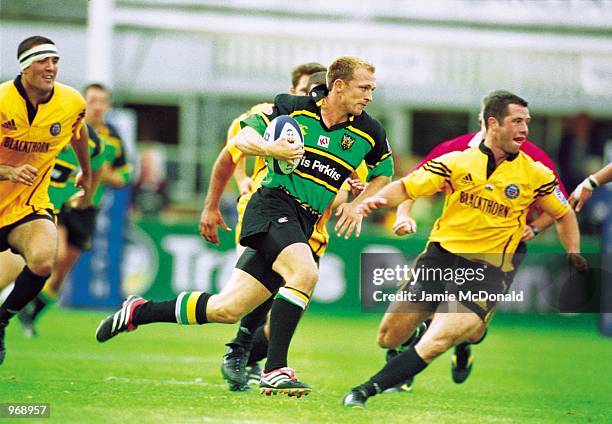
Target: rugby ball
[283,125]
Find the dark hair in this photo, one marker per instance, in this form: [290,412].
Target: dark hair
[305,69]
[495,104]
[316,79]
[30,42]
[95,85]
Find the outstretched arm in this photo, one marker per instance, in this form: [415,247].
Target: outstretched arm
[583,192]
[211,215]
[350,219]
[390,196]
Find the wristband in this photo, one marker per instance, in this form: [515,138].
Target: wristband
[592,181]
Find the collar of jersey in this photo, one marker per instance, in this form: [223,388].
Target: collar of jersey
[31,109]
[491,158]
[344,124]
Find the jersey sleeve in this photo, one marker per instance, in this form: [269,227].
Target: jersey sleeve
[96,149]
[548,162]
[120,163]
[429,178]
[79,106]
[234,152]
[380,160]
[362,174]
[548,194]
[284,104]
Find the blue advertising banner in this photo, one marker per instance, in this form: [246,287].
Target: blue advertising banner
[95,280]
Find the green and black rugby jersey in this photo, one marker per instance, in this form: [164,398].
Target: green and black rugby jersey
[332,154]
[61,187]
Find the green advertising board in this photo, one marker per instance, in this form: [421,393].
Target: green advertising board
[162,259]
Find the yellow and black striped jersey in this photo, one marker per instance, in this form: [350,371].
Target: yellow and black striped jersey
[35,137]
[486,206]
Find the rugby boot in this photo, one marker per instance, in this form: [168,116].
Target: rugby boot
[120,321]
[282,381]
[461,362]
[233,368]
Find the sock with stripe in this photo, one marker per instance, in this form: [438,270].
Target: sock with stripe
[287,309]
[27,286]
[259,348]
[405,365]
[45,298]
[249,324]
[188,308]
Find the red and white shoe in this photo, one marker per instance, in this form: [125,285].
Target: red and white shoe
[120,321]
[282,381]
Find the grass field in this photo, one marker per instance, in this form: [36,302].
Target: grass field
[530,369]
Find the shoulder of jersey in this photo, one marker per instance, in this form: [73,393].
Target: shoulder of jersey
[112,131]
[534,151]
[287,103]
[69,95]
[5,87]
[539,166]
[261,107]
[370,125]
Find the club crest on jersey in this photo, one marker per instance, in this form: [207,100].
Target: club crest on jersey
[55,129]
[323,141]
[512,191]
[304,129]
[347,142]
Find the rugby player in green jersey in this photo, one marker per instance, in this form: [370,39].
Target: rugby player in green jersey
[281,215]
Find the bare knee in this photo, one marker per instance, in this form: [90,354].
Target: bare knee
[390,337]
[227,315]
[305,280]
[431,347]
[41,264]
[477,335]
[223,311]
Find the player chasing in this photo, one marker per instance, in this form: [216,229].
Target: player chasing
[480,228]
[280,218]
[38,117]
[392,332]
[76,223]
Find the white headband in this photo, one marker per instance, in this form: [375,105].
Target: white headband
[39,52]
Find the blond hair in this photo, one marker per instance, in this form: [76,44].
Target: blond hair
[344,67]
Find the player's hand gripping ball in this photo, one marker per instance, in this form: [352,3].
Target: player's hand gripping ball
[283,126]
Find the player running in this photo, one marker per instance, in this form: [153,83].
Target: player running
[479,230]
[281,215]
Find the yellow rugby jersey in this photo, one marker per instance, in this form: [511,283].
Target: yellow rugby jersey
[319,238]
[34,137]
[259,167]
[486,207]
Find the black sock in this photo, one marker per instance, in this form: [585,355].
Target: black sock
[166,311]
[27,286]
[250,323]
[259,349]
[405,365]
[287,310]
[36,306]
